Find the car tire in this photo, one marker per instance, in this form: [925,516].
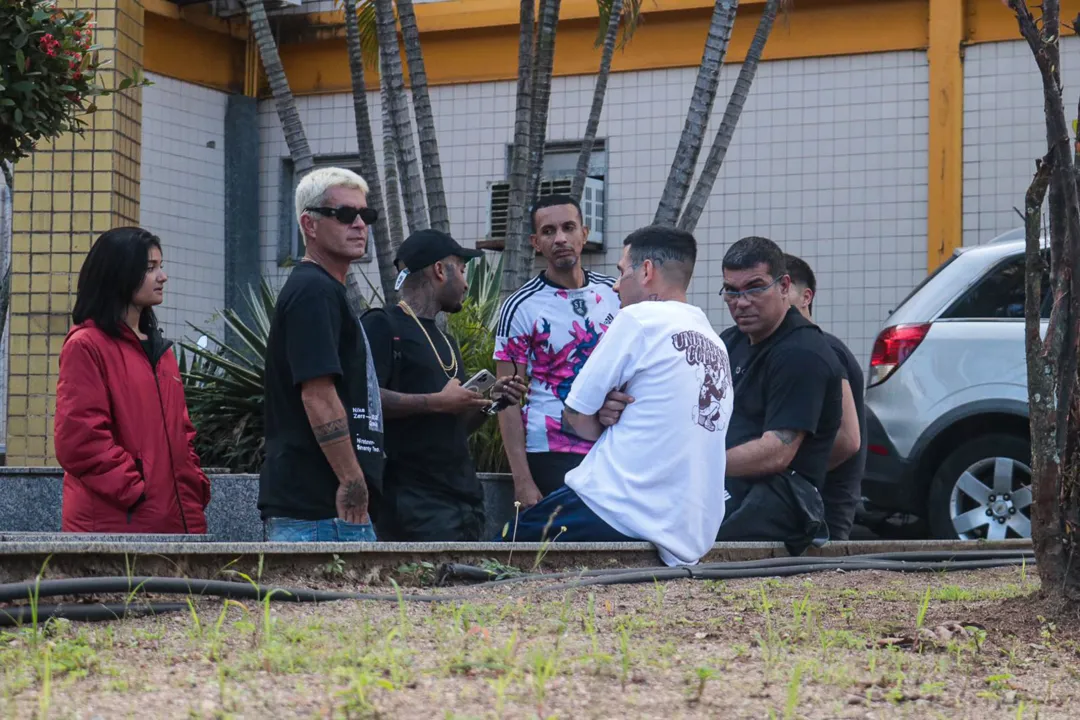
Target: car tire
[980,454]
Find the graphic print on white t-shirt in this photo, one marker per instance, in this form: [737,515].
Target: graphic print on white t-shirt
[715,375]
[658,473]
[549,332]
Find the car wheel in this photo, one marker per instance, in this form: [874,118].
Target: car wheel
[983,490]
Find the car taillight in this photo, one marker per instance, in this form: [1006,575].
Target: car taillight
[892,348]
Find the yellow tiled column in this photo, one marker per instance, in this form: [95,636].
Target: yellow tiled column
[66,194]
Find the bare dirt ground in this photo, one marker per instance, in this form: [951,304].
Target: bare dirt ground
[837,645]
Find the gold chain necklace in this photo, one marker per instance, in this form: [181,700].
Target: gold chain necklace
[449,370]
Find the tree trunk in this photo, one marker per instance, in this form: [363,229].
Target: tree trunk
[412,190]
[7,214]
[390,168]
[543,66]
[741,91]
[516,247]
[291,125]
[1052,362]
[425,119]
[365,144]
[697,116]
[612,34]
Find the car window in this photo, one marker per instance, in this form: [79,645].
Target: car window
[925,280]
[998,295]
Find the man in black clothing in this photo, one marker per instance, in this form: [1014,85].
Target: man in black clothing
[787,404]
[843,483]
[431,492]
[324,435]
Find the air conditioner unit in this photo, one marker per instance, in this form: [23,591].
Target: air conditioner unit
[592,207]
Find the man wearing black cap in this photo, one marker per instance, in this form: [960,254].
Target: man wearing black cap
[431,492]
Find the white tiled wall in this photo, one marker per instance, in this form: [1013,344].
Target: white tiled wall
[183,197]
[830,160]
[1005,130]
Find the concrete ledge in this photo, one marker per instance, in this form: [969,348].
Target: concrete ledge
[21,559]
[31,499]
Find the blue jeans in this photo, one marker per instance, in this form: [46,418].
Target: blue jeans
[280,529]
[571,512]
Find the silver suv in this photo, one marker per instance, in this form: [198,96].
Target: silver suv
[946,399]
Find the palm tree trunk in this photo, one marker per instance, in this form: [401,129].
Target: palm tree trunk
[390,65]
[7,214]
[697,116]
[516,244]
[365,144]
[425,118]
[293,127]
[720,146]
[582,170]
[541,87]
[390,165]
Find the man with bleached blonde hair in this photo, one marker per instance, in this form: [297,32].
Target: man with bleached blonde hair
[324,425]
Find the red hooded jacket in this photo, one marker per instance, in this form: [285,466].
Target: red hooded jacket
[124,438]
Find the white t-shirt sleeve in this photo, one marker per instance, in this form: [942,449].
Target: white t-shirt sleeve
[610,366]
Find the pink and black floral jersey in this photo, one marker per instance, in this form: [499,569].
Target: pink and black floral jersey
[549,332]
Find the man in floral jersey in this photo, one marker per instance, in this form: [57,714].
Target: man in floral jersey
[547,329]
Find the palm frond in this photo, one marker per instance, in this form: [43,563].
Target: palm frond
[225,385]
[631,19]
[369,39]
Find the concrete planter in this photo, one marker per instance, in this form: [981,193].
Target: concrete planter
[31,498]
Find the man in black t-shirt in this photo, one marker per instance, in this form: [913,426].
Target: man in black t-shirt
[843,483]
[787,404]
[431,492]
[324,436]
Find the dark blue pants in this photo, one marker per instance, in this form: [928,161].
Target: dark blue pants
[581,524]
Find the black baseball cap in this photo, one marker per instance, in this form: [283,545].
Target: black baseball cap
[425,248]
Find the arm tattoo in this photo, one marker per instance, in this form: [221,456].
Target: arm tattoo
[786,436]
[332,431]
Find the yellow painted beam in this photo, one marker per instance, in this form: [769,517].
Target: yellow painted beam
[176,49]
[815,28]
[473,14]
[946,147]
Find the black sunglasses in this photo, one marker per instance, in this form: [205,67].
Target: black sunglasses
[347,215]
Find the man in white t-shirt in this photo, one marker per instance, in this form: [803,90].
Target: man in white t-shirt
[656,397]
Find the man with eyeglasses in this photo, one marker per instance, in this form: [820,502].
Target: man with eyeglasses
[324,424]
[787,404]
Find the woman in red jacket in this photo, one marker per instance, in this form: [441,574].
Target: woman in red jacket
[123,435]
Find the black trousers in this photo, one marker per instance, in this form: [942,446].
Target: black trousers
[418,513]
[549,469]
[783,508]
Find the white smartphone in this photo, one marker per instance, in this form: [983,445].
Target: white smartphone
[481,382]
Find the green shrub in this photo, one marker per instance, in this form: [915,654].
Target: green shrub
[49,74]
[224,386]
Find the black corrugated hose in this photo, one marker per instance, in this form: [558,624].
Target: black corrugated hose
[917,561]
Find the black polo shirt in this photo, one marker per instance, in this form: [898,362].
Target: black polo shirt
[790,381]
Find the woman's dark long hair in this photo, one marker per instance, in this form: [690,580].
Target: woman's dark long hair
[112,273]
